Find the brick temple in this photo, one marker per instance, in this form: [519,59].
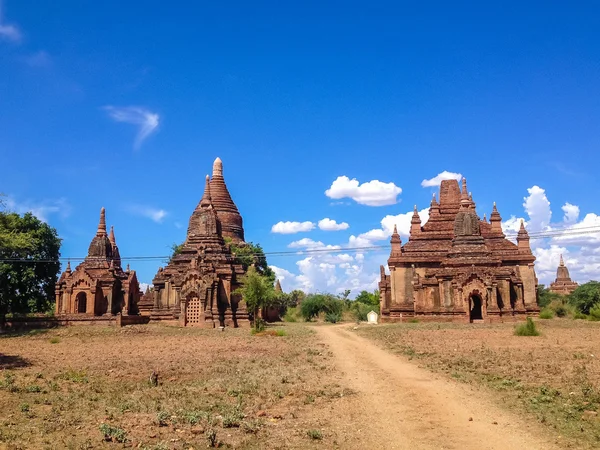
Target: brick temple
[98,286]
[197,286]
[563,284]
[457,266]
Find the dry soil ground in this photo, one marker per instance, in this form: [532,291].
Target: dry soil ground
[316,387]
[552,380]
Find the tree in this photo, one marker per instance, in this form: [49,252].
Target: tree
[176,249]
[545,296]
[368,298]
[29,254]
[247,254]
[295,297]
[258,292]
[586,296]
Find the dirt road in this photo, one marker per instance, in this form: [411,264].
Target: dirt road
[402,406]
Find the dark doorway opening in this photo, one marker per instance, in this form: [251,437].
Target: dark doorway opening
[476,311]
[81,301]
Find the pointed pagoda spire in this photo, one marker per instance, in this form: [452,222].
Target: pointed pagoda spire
[496,220]
[111,236]
[127,269]
[227,212]
[278,286]
[523,239]
[434,207]
[484,218]
[206,200]
[415,222]
[465,202]
[68,269]
[562,261]
[102,224]
[396,242]
[217,168]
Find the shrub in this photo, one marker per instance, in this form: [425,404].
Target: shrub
[54,340]
[586,296]
[580,315]
[162,418]
[561,309]
[333,317]
[315,304]
[111,433]
[595,312]
[291,315]
[527,329]
[546,313]
[315,434]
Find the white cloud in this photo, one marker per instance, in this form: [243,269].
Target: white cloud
[38,59]
[144,286]
[401,221]
[571,213]
[312,245]
[327,224]
[537,207]
[445,175]
[8,31]
[146,120]
[292,227]
[157,215]
[41,210]
[371,193]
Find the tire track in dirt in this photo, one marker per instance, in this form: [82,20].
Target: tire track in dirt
[401,406]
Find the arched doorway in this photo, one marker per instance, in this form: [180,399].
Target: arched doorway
[81,303]
[475,307]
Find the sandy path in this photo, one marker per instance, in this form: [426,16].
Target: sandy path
[400,406]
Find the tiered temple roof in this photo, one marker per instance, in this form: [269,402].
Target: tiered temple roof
[563,284]
[198,285]
[453,248]
[99,285]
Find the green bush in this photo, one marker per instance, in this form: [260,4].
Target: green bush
[586,296]
[580,315]
[561,309]
[315,304]
[291,315]
[114,434]
[527,329]
[546,313]
[595,312]
[333,317]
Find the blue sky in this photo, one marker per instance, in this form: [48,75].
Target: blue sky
[126,104]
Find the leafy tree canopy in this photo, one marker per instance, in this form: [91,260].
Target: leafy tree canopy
[586,296]
[257,291]
[545,296]
[368,298]
[27,285]
[249,253]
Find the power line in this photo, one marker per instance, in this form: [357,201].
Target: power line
[321,251]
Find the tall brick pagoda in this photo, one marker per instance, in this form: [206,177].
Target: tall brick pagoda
[563,284]
[456,266]
[99,285]
[197,287]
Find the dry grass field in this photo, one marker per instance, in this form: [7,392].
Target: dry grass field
[553,378]
[89,387]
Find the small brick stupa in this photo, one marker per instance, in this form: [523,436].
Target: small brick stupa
[98,286]
[563,284]
[197,287]
[456,266]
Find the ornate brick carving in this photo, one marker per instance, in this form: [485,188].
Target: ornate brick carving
[457,265]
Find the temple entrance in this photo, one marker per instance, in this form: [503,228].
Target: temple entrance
[81,303]
[193,312]
[475,308]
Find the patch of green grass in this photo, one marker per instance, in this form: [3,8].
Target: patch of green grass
[113,434]
[527,329]
[546,313]
[413,320]
[76,376]
[54,340]
[162,418]
[315,435]
[24,407]
[34,388]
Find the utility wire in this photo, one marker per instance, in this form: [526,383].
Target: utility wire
[321,251]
